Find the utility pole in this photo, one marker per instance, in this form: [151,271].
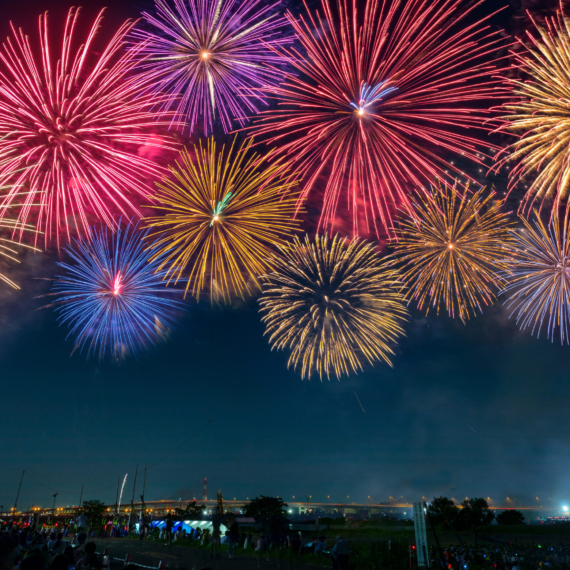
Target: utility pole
[18,495]
[144,481]
[81,496]
[133,499]
[53,508]
[135,484]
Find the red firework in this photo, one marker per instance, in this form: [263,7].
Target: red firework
[381,99]
[73,130]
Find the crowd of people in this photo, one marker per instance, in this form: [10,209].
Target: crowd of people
[503,557]
[27,548]
[284,544]
[30,549]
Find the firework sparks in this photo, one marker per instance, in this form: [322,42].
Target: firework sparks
[539,287]
[71,130]
[112,298]
[223,214]
[379,99]
[211,57]
[334,305]
[540,116]
[454,250]
[9,248]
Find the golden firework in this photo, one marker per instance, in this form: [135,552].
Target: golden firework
[333,304]
[9,247]
[225,210]
[454,250]
[540,115]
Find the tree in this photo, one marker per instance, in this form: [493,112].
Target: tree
[511,516]
[263,508]
[93,510]
[474,512]
[442,511]
[193,511]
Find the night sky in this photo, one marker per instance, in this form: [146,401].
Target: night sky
[468,410]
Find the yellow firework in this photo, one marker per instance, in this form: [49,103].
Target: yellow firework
[8,247]
[454,250]
[224,210]
[334,305]
[540,115]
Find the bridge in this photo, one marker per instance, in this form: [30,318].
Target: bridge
[311,509]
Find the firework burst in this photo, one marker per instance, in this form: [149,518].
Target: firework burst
[453,249]
[540,116]
[224,211]
[334,305]
[379,99]
[539,283]
[72,130]
[112,298]
[211,57]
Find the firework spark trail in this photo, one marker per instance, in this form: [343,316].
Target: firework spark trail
[334,305]
[380,98]
[358,400]
[540,116]
[72,130]
[211,57]
[455,250]
[112,297]
[224,211]
[121,495]
[539,278]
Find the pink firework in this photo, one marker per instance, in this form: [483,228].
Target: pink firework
[211,57]
[381,101]
[72,128]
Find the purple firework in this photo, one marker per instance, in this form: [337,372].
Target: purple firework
[211,57]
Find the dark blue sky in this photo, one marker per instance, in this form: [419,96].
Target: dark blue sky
[480,407]
[477,410]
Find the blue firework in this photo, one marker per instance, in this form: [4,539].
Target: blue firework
[112,298]
[539,277]
[369,95]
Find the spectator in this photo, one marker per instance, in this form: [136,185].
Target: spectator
[320,545]
[260,549]
[7,546]
[206,537]
[294,543]
[59,562]
[58,545]
[33,561]
[233,537]
[248,542]
[90,560]
[168,528]
[70,555]
[339,554]
[82,522]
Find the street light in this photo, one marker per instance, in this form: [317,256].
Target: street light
[53,508]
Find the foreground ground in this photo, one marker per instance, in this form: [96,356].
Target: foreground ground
[150,554]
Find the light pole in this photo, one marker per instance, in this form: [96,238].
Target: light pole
[53,508]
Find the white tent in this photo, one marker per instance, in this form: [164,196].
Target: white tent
[191,525]
[203,525]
